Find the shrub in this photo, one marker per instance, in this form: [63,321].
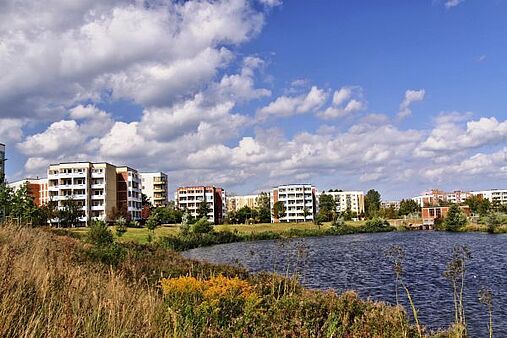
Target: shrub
[99,234]
[202,226]
[377,222]
[455,219]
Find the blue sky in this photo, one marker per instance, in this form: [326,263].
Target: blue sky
[400,96]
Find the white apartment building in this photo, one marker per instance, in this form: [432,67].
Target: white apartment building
[91,185]
[494,196]
[390,204]
[129,191]
[155,186]
[190,198]
[295,198]
[348,200]
[234,203]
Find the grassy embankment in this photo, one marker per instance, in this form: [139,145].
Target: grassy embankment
[57,286]
[242,232]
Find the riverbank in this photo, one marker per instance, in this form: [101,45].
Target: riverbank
[57,286]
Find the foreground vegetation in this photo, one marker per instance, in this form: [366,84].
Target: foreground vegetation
[59,286]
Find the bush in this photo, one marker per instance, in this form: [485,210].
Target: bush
[202,226]
[377,222]
[99,234]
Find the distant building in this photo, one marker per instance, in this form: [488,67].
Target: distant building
[190,198]
[495,196]
[390,204]
[296,199]
[234,203]
[2,163]
[430,214]
[155,186]
[128,191]
[37,189]
[348,200]
[430,198]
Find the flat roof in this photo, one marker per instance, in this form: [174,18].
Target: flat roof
[78,162]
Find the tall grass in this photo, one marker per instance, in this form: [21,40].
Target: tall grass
[52,287]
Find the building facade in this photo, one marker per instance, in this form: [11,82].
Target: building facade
[156,187]
[495,196]
[430,214]
[190,198]
[390,204]
[2,163]
[234,203]
[348,200]
[37,189]
[297,200]
[128,192]
[93,186]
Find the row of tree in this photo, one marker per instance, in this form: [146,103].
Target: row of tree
[19,206]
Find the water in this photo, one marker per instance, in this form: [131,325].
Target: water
[358,262]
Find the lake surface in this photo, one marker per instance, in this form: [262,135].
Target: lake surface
[358,262]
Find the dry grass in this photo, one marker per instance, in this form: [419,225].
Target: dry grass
[52,288]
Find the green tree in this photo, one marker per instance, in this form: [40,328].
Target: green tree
[121,226]
[455,219]
[478,205]
[145,200]
[244,214]
[263,212]
[372,203]
[408,207]
[278,210]
[306,212]
[6,195]
[203,209]
[327,206]
[99,233]
[22,206]
[493,221]
[70,213]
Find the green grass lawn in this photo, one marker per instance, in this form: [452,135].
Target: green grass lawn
[140,235]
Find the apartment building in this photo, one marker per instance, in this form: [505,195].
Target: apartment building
[457,196]
[37,189]
[234,203]
[155,186]
[348,200]
[430,198]
[92,185]
[296,199]
[495,196]
[2,163]
[128,191]
[390,204]
[190,198]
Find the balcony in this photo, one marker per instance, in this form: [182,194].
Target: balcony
[97,207]
[98,197]
[98,186]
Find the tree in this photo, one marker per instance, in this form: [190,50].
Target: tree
[493,222]
[99,234]
[306,212]
[244,214]
[145,200]
[278,210]
[389,212]
[372,203]
[263,212]
[408,207]
[203,209]
[121,226]
[455,219]
[327,206]
[478,205]
[70,213]
[6,194]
